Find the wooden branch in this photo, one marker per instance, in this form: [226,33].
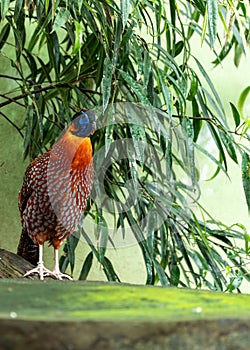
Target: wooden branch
[13,265]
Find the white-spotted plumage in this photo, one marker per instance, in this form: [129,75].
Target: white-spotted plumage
[55,192]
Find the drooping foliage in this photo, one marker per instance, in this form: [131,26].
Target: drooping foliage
[132,63]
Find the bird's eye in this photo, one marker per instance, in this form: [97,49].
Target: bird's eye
[84,118]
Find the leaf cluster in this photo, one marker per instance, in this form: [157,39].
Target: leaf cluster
[132,62]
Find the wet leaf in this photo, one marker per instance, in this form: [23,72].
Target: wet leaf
[106,82]
[236,115]
[212,13]
[242,100]
[246,177]
[86,267]
[125,8]
[61,18]
[4,8]
[4,35]
[78,38]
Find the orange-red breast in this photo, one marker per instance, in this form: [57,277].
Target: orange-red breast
[55,191]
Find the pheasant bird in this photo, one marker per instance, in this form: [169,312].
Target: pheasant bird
[54,194]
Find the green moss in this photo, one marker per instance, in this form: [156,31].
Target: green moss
[59,301]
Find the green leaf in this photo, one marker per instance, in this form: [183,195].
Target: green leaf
[197,122]
[235,282]
[161,274]
[106,82]
[110,271]
[218,143]
[142,244]
[213,159]
[163,87]
[236,115]
[117,42]
[211,85]
[136,87]
[174,274]
[195,16]
[228,143]
[4,35]
[4,8]
[72,242]
[242,100]
[139,140]
[178,48]
[189,131]
[18,9]
[204,25]
[212,14]
[246,177]
[86,266]
[125,7]
[61,18]
[102,236]
[193,87]
[78,38]
[150,87]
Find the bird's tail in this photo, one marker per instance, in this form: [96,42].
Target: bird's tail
[27,248]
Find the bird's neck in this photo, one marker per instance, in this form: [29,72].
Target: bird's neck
[76,149]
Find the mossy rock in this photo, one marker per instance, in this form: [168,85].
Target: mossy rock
[92,315]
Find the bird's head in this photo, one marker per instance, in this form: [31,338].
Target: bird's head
[83,123]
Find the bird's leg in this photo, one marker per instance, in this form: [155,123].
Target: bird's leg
[59,275]
[40,264]
[41,270]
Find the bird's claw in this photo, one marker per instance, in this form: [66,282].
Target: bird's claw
[44,272]
[59,275]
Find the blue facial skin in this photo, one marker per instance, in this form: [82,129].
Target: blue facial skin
[83,124]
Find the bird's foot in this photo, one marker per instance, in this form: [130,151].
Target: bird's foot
[41,270]
[60,276]
[44,272]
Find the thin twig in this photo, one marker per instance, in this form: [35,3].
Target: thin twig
[11,100]
[13,124]
[11,77]
[19,97]
[193,118]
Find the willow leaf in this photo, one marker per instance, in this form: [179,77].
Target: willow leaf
[228,143]
[139,140]
[78,38]
[103,236]
[125,7]
[110,271]
[135,86]
[212,13]
[166,92]
[4,35]
[18,9]
[218,143]
[161,274]
[211,85]
[213,159]
[61,18]
[236,115]
[72,242]
[242,99]
[106,82]
[86,266]
[246,177]
[4,8]
[188,127]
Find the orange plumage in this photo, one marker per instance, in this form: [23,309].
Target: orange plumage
[55,192]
